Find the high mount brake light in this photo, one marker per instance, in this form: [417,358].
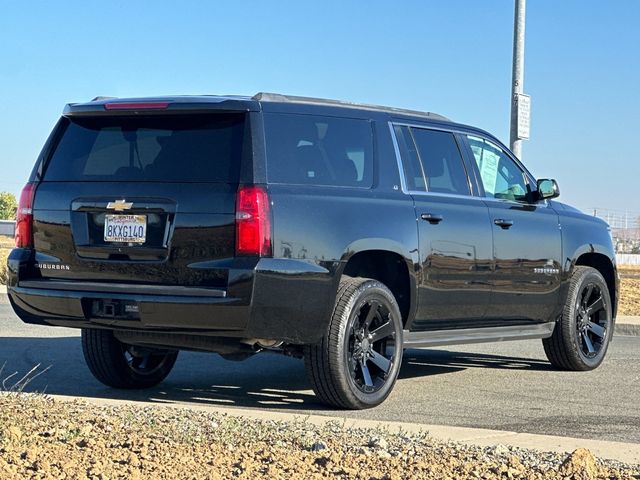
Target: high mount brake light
[253,223]
[136,105]
[24,217]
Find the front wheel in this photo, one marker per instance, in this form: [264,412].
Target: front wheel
[119,365]
[356,364]
[581,338]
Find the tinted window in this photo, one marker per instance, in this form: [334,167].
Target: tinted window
[315,150]
[413,174]
[501,177]
[441,161]
[178,148]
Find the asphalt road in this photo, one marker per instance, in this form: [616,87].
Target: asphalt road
[507,386]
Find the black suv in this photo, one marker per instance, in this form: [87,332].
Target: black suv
[335,232]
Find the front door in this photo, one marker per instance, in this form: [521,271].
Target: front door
[527,244]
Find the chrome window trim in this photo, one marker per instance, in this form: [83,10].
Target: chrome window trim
[403,182]
[429,127]
[484,135]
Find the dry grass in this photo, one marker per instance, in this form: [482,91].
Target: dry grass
[4,253]
[629,270]
[629,296]
[6,242]
[629,290]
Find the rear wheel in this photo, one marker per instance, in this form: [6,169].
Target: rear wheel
[581,337]
[119,365]
[356,364]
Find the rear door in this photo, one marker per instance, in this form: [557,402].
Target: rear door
[454,230]
[140,199]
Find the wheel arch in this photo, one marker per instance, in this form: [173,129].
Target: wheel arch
[392,269]
[607,269]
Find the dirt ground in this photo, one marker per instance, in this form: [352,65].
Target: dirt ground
[629,290]
[41,439]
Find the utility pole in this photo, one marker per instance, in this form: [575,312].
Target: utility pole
[519,102]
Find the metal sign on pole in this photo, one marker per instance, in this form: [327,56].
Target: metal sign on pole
[524,116]
[517,82]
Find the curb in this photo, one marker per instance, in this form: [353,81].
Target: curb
[620,451]
[626,325]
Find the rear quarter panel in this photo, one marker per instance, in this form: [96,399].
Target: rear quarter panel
[325,226]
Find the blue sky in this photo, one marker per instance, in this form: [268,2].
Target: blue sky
[453,57]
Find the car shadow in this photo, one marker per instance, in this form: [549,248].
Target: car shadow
[267,380]
[417,361]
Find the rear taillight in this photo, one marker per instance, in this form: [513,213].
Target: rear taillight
[253,224]
[24,217]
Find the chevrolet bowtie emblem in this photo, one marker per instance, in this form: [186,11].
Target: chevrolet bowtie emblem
[119,205]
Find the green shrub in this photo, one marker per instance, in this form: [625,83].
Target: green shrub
[8,206]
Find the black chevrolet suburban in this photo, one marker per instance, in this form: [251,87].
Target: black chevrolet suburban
[335,232]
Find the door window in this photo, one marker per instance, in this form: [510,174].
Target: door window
[441,161]
[501,177]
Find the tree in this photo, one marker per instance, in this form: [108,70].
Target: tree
[8,206]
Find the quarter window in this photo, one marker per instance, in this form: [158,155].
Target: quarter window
[317,150]
[501,177]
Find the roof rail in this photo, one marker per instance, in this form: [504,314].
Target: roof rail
[100,98]
[278,97]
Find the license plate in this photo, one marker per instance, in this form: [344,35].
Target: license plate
[125,228]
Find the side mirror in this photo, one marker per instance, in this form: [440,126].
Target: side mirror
[548,188]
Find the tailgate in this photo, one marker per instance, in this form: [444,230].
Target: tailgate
[140,200]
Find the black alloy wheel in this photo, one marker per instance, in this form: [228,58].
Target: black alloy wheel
[371,352]
[592,320]
[145,361]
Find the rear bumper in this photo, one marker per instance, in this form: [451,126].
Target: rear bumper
[279,299]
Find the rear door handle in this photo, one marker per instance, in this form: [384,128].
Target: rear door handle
[502,223]
[432,218]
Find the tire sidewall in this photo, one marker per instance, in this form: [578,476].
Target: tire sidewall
[105,357]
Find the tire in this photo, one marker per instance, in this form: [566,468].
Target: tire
[356,364]
[119,365]
[581,337]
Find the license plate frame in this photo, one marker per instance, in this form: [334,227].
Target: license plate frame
[125,229]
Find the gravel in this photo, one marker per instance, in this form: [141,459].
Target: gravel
[44,438]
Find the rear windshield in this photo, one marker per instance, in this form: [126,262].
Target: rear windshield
[176,148]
